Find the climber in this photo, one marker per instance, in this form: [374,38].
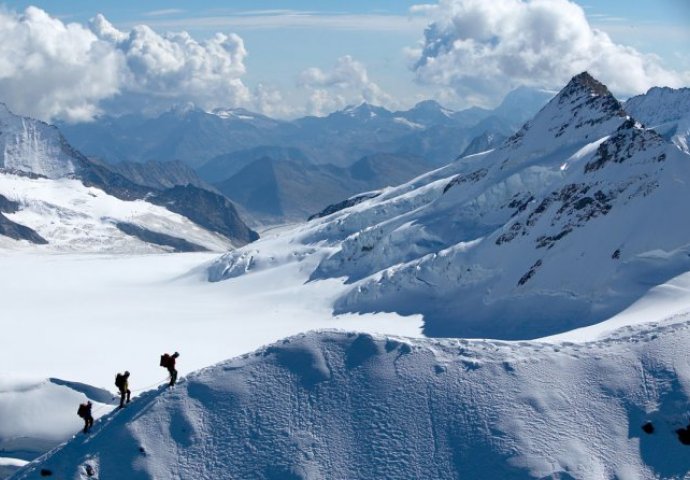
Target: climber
[168,361]
[84,411]
[122,384]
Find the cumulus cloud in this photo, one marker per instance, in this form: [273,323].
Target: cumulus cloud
[483,49]
[269,100]
[49,69]
[177,66]
[345,84]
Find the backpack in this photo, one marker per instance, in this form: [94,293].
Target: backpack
[119,380]
[165,360]
[81,411]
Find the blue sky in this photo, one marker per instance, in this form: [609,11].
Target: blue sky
[312,57]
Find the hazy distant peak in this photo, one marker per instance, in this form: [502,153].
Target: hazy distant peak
[364,109]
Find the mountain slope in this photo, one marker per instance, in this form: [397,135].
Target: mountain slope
[70,216]
[53,194]
[552,237]
[159,175]
[277,190]
[565,224]
[222,167]
[341,405]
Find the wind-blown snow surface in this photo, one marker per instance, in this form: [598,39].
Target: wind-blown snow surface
[338,405]
[567,223]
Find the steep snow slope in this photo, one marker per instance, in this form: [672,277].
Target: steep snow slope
[38,414]
[338,405]
[33,146]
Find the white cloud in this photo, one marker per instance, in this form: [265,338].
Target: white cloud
[282,19]
[347,83]
[175,66]
[483,49]
[269,100]
[164,12]
[49,69]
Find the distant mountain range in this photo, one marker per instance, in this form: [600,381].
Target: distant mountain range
[50,194]
[284,171]
[196,137]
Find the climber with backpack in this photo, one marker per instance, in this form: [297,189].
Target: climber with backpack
[168,361]
[84,411]
[122,384]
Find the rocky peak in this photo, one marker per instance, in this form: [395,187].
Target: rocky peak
[583,89]
[586,81]
[583,111]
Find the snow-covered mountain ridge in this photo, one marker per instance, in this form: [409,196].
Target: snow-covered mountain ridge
[667,110]
[343,405]
[53,195]
[564,225]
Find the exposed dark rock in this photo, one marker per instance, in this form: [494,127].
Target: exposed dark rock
[472,177]
[350,202]
[648,428]
[628,140]
[177,244]
[684,435]
[16,231]
[533,269]
[7,205]
[514,230]
[520,203]
[550,241]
